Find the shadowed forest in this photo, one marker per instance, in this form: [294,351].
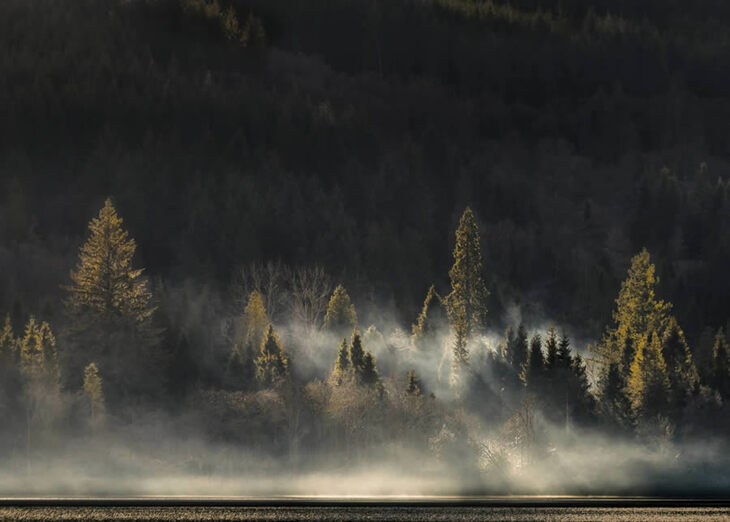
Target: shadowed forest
[364,246]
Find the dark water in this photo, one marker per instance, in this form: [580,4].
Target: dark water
[346,513]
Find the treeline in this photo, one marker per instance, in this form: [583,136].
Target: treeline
[351,134]
[317,383]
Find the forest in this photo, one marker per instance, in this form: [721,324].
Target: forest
[481,238]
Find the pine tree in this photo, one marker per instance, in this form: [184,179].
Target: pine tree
[430,322]
[357,355]
[253,325]
[581,396]
[563,357]
[466,304]
[272,364]
[94,393]
[532,374]
[648,385]
[340,316]
[414,385]
[720,365]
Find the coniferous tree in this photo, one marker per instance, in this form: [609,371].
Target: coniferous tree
[38,357]
[431,321]
[340,316]
[533,372]
[357,356]
[10,378]
[466,305]
[342,364]
[272,365]
[249,336]
[111,313]
[583,402]
[614,403]
[519,350]
[680,368]
[638,314]
[648,385]
[551,347]
[720,365]
[369,372]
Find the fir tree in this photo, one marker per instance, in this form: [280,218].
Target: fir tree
[272,364]
[466,304]
[38,358]
[563,357]
[340,316]
[582,398]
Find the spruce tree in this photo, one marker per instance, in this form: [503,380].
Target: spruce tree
[466,304]
[272,364]
[341,316]
[38,358]
[581,396]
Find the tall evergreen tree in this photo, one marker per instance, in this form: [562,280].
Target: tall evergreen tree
[357,355]
[518,349]
[369,372]
[342,364]
[110,311]
[341,316]
[249,335]
[614,403]
[551,347]
[272,365]
[533,372]
[466,305]
[638,314]
[680,368]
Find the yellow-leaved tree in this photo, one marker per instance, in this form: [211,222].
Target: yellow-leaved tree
[340,317]
[110,309]
[466,305]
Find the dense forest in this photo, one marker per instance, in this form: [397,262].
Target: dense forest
[483,232]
